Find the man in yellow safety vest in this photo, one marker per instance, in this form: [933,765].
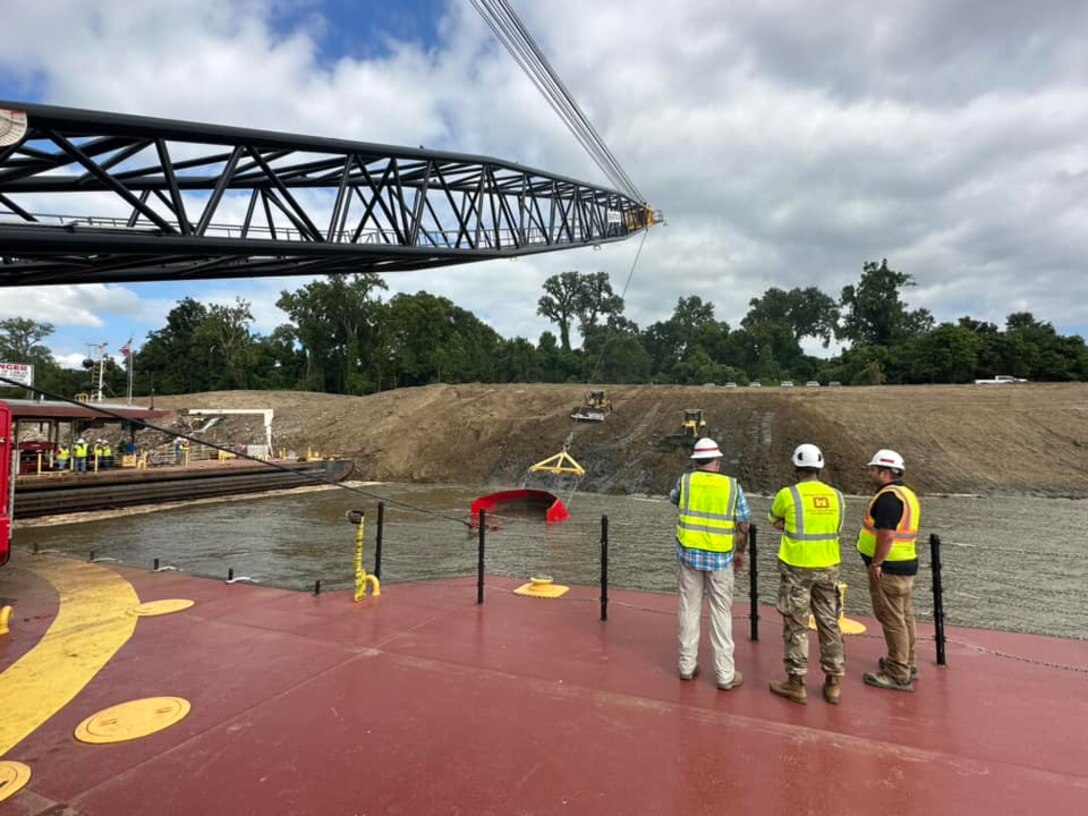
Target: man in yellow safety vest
[711,538]
[886,542]
[809,514]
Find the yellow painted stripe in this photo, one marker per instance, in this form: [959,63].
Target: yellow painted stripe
[93,621]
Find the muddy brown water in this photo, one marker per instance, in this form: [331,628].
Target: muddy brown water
[1016,564]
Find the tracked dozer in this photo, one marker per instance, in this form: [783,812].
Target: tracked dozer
[693,426]
[594,409]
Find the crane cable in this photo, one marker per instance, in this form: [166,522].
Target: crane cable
[508,28]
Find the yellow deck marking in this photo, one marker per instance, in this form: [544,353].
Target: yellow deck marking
[132,720]
[94,620]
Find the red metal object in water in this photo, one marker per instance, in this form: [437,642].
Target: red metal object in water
[520,500]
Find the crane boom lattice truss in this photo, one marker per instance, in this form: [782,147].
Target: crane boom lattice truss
[141,199]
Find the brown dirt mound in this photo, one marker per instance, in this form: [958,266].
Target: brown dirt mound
[1026,438]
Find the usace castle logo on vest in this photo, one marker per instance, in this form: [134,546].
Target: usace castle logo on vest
[821,502]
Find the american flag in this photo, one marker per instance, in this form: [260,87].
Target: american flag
[126,349]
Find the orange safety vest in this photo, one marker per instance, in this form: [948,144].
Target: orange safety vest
[905,535]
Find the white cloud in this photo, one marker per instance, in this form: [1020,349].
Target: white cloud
[788,142]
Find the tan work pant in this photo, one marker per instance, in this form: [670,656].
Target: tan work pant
[893,606]
[717,585]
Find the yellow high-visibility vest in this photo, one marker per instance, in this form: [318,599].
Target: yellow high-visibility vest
[812,512]
[708,511]
[904,536]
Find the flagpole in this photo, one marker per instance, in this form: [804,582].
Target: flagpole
[128,359]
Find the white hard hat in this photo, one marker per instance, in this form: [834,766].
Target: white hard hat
[808,456]
[706,448]
[885,458]
[80,439]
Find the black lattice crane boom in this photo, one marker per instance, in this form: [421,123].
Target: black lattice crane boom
[94,197]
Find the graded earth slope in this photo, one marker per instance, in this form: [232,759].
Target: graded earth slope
[1016,439]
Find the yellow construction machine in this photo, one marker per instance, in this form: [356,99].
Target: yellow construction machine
[694,426]
[594,408]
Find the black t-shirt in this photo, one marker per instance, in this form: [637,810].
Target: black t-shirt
[887,511]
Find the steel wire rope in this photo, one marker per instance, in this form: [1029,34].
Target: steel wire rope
[273,465]
[513,35]
[517,40]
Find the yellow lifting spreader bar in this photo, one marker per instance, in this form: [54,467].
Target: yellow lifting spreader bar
[562,462]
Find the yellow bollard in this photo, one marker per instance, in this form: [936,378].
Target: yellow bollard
[358,517]
[5,616]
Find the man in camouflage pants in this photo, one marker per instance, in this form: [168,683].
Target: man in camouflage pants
[810,515]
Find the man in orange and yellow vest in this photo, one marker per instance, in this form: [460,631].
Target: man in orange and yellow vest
[711,538]
[809,514]
[887,543]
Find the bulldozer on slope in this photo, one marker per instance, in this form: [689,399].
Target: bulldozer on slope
[693,426]
[594,408]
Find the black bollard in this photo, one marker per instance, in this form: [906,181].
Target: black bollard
[317,587]
[156,566]
[938,596]
[604,568]
[90,556]
[480,559]
[230,574]
[378,543]
[753,583]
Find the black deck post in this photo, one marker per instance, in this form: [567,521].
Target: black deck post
[753,583]
[938,596]
[480,562]
[378,542]
[604,568]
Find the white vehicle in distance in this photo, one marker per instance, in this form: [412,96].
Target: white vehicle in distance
[730,384]
[1000,379]
[755,384]
[834,384]
[812,384]
[786,384]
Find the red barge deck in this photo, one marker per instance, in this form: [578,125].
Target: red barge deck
[421,702]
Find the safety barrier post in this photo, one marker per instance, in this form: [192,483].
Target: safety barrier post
[753,583]
[938,596]
[480,558]
[378,543]
[604,568]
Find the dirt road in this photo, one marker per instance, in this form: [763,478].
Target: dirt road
[1026,438]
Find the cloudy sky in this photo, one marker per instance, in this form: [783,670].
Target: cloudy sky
[787,141]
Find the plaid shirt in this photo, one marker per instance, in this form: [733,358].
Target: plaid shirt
[705,560]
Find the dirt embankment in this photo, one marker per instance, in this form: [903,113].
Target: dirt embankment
[1018,439]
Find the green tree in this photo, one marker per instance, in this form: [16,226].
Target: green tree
[335,321]
[874,312]
[173,357]
[807,312]
[225,340]
[561,302]
[596,299]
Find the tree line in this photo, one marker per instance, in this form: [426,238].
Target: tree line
[344,337]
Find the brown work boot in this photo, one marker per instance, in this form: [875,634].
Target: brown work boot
[833,689]
[792,688]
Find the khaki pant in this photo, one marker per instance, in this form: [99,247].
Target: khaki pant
[893,606]
[800,590]
[717,585]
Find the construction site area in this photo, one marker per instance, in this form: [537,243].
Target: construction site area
[1027,438]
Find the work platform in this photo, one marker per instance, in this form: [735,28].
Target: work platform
[422,702]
